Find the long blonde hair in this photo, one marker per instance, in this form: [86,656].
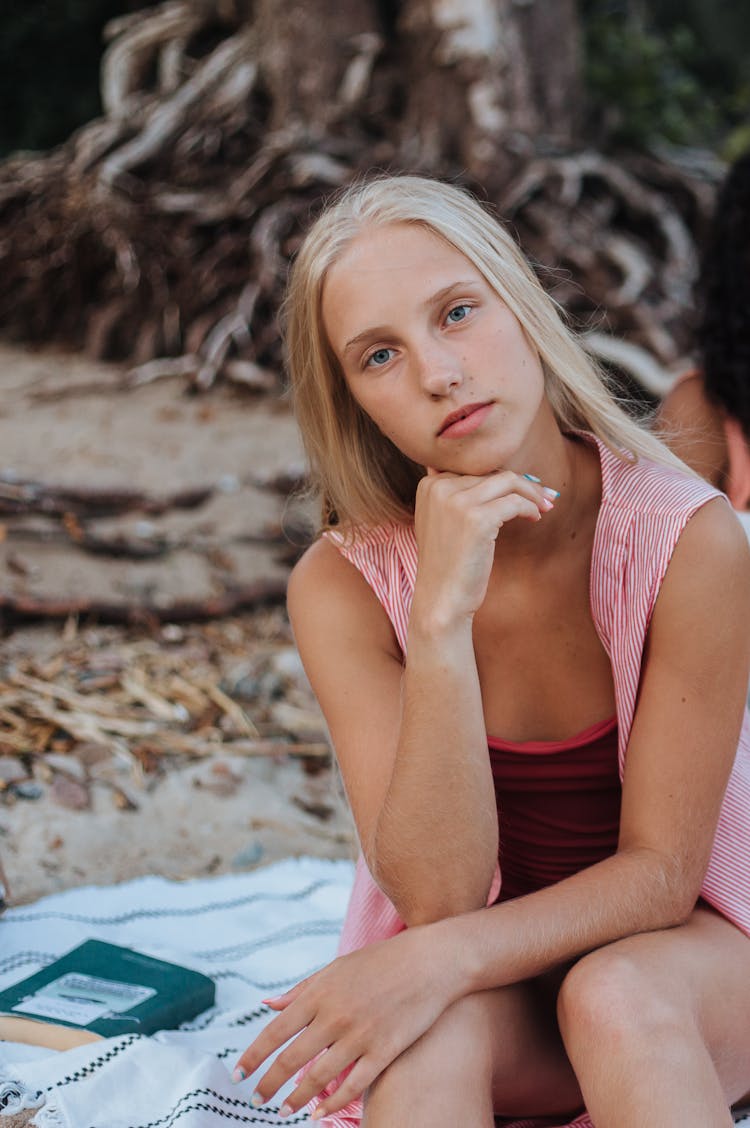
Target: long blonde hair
[359,476]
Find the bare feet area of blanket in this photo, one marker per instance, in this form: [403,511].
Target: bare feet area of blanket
[154,714]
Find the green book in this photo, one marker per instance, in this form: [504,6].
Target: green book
[100,990]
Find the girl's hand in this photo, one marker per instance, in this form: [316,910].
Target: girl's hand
[364,1009]
[457,520]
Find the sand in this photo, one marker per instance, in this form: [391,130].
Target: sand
[66,421]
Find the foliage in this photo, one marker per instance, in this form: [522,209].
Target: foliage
[667,72]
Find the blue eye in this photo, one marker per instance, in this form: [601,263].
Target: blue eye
[458,313]
[379,357]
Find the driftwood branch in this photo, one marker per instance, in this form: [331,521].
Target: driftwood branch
[15,609]
[35,497]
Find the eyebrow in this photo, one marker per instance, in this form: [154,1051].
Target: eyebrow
[434,299]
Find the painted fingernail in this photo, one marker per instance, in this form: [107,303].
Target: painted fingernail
[286,1110]
[546,504]
[549,492]
[256,1100]
[238,1074]
[532,478]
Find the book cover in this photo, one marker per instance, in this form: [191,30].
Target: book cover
[100,990]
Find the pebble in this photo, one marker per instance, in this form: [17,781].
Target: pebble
[288,664]
[27,789]
[171,632]
[70,794]
[228,483]
[249,855]
[244,689]
[268,686]
[144,529]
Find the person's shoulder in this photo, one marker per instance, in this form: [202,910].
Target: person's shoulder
[686,396]
[693,427]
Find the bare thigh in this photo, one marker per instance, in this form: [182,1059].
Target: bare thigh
[701,970]
[536,1079]
[500,1049]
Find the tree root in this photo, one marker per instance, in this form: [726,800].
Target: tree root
[161,233]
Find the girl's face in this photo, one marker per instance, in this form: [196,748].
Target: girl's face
[433,355]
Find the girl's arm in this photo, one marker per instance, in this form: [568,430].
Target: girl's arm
[438,861]
[680,754]
[370,1006]
[681,750]
[410,741]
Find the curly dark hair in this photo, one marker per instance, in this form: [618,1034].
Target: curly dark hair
[724,327]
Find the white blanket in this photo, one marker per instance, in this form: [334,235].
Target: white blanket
[255,934]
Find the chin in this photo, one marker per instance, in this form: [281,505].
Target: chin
[489,460]
[474,467]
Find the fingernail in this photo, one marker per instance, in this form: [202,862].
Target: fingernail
[549,492]
[286,1110]
[319,1113]
[238,1074]
[546,504]
[256,1100]
[532,478]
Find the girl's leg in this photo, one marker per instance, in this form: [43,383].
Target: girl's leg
[494,1051]
[657,1026]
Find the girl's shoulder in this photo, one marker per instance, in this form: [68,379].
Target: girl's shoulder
[328,598]
[374,545]
[386,556]
[647,510]
[639,485]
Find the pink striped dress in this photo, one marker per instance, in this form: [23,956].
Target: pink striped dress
[644,508]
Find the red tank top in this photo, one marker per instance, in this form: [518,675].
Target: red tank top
[558,805]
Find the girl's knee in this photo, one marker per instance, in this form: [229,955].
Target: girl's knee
[611,998]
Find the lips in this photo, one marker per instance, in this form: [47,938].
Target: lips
[461,413]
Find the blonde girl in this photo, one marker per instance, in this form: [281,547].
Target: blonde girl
[528,627]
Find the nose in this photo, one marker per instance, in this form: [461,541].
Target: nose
[438,370]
